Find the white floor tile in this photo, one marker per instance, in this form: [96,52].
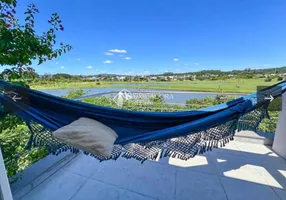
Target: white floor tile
[198,186]
[229,148]
[151,178]
[82,165]
[61,186]
[243,190]
[265,156]
[246,171]
[251,149]
[101,191]
[238,167]
[274,177]
[200,163]
[281,193]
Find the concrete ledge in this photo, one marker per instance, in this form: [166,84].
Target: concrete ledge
[254,137]
[39,172]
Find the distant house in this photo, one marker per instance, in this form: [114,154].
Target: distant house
[193,77]
[121,78]
[91,78]
[153,78]
[163,78]
[230,75]
[266,75]
[213,75]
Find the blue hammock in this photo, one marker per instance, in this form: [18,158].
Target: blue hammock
[141,135]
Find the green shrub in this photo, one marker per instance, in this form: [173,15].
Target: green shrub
[14,135]
[268,79]
[75,94]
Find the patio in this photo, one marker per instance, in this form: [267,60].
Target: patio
[238,171]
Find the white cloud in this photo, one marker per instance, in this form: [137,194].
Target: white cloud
[127,58]
[108,53]
[62,67]
[77,59]
[107,62]
[117,50]
[178,69]
[57,63]
[197,64]
[89,67]
[176,60]
[146,72]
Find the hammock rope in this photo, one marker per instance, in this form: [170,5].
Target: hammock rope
[142,135]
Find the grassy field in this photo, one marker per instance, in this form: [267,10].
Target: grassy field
[225,86]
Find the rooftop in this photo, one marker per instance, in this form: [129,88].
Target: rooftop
[240,170]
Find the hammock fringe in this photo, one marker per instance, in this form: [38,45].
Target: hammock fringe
[183,148]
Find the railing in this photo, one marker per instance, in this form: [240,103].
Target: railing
[5,192]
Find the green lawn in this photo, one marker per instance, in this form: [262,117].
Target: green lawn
[225,86]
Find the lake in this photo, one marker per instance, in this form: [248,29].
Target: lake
[171,96]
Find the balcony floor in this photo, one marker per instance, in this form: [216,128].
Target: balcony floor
[239,171]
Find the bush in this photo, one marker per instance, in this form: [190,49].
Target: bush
[268,79]
[14,135]
[280,78]
[75,94]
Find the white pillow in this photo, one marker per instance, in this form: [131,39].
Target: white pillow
[88,135]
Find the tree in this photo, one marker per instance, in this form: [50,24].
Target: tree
[136,78]
[20,44]
[62,76]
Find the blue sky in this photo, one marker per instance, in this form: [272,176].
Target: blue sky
[156,36]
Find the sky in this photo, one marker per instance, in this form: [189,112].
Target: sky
[157,36]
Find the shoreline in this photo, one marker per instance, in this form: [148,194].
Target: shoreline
[148,90]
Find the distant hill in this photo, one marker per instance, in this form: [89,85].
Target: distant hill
[280,70]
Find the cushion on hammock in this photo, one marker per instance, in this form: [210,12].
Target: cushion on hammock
[88,135]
